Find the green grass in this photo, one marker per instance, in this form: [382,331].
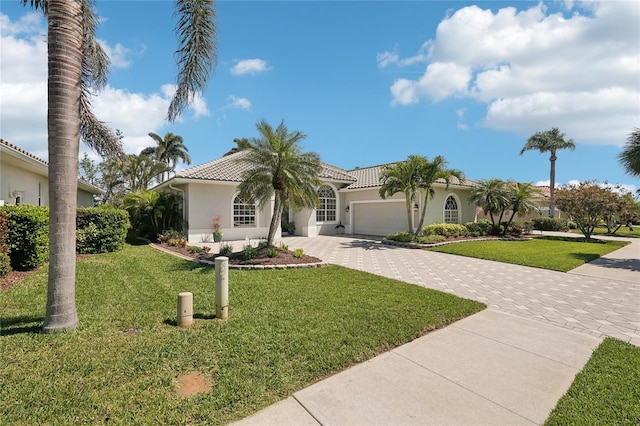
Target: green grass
[287,329]
[555,253]
[622,232]
[606,391]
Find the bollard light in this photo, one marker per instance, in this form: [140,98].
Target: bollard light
[222,287]
[185,309]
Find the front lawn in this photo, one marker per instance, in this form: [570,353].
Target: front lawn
[622,232]
[287,329]
[555,253]
[606,391]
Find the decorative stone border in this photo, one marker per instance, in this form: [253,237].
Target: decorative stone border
[420,246]
[242,267]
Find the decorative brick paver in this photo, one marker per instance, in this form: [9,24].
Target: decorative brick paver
[589,304]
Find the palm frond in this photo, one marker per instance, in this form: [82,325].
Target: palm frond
[196,53]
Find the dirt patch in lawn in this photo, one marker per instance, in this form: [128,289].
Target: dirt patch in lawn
[194,383]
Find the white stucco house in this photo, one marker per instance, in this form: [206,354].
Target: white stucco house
[348,203]
[24,179]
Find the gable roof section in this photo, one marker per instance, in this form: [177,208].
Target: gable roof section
[231,168]
[41,165]
[369,177]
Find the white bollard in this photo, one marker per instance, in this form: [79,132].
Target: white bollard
[185,309]
[222,287]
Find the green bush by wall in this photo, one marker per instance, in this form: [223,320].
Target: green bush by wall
[101,229]
[28,236]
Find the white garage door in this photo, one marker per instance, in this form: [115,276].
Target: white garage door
[379,218]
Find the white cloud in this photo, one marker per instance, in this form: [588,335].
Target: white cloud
[250,66]
[117,54]
[238,103]
[534,70]
[386,58]
[23,110]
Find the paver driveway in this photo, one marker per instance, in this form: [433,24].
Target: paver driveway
[597,306]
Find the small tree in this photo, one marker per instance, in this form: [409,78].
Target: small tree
[621,209]
[521,200]
[402,177]
[586,203]
[493,197]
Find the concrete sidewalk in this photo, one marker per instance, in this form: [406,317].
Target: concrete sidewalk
[490,368]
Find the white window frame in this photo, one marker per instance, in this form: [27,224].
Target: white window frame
[244,214]
[323,209]
[446,213]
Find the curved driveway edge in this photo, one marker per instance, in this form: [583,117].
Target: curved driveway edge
[601,305]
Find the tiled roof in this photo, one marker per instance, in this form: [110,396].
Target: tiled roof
[231,167]
[45,165]
[22,151]
[369,177]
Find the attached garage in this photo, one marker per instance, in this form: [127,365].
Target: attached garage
[380,218]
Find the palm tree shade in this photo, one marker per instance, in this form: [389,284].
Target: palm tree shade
[630,155]
[549,141]
[76,65]
[279,170]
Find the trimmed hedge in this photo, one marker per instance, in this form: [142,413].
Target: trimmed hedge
[101,229]
[28,236]
[518,227]
[402,237]
[550,224]
[5,261]
[445,229]
[480,228]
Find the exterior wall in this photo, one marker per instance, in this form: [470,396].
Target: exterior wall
[435,206]
[207,200]
[353,198]
[33,187]
[85,199]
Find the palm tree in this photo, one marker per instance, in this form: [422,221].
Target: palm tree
[428,173]
[630,155]
[241,145]
[492,196]
[279,170]
[169,150]
[138,171]
[521,196]
[549,141]
[76,66]
[402,177]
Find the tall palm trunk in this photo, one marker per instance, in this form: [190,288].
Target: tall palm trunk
[552,184]
[275,218]
[63,120]
[408,201]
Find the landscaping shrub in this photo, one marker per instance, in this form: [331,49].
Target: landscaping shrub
[101,229]
[28,236]
[226,249]
[284,246]
[5,261]
[447,230]
[480,228]
[298,253]
[272,252]
[403,237]
[518,227]
[195,249]
[249,252]
[550,224]
[431,239]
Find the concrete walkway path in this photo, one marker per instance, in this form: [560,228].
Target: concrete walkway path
[506,365]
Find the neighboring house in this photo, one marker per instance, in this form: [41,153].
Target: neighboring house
[24,179]
[348,202]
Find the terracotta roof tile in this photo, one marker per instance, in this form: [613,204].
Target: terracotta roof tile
[231,168]
[369,177]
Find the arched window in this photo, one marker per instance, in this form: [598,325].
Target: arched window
[244,212]
[326,211]
[450,210]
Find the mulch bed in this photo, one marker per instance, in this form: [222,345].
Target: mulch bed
[285,257]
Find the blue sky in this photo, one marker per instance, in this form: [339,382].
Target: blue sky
[369,82]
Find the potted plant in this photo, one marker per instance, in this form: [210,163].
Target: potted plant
[217,234]
[291,228]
